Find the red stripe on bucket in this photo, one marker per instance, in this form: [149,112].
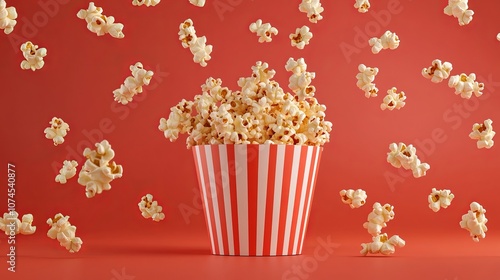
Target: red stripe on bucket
[253,168]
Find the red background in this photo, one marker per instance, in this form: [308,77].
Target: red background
[82,70]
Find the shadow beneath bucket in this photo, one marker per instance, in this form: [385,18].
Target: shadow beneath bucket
[152,250]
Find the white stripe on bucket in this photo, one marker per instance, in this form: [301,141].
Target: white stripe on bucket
[227,197]
[291,197]
[213,194]
[261,196]
[278,180]
[240,154]
[205,200]
[302,199]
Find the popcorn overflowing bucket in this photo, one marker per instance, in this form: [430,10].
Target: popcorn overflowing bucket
[256,198]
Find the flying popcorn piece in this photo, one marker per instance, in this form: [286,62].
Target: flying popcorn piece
[475,222]
[460,10]
[300,80]
[33,56]
[440,199]
[26,226]
[57,131]
[438,71]
[263,30]
[297,67]
[401,155]
[187,33]
[201,51]
[98,170]
[11,224]
[68,171]
[133,84]
[313,9]
[378,218]
[498,36]
[383,245]
[64,232]
[99,23]
[355,198]
[8,16]
[198,3]
[393,100]
[147,3]
[483,133]
[150,208]
[362,5]
[466,85]
[388,40]
[365,77]
[197,45]
[301,37]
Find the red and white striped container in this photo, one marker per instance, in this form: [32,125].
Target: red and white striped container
[257,198]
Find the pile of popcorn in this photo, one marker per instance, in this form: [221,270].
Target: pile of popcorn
[150,208]
[388,40]
[438,71]
[98,170]
[460,10]
[401,155]
[483,133]
[381,243]
[197,45]
[64,232]
[355,198]
[362,5]
[263,30]
[8,16]
[57,131]
[475,221]
[466,85]
[10,223]
[440,199]
[260,113]
[133,84]
[99,23]
[147,3]
[33,56]
[313,9]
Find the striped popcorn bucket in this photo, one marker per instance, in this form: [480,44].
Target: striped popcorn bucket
[256,198]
